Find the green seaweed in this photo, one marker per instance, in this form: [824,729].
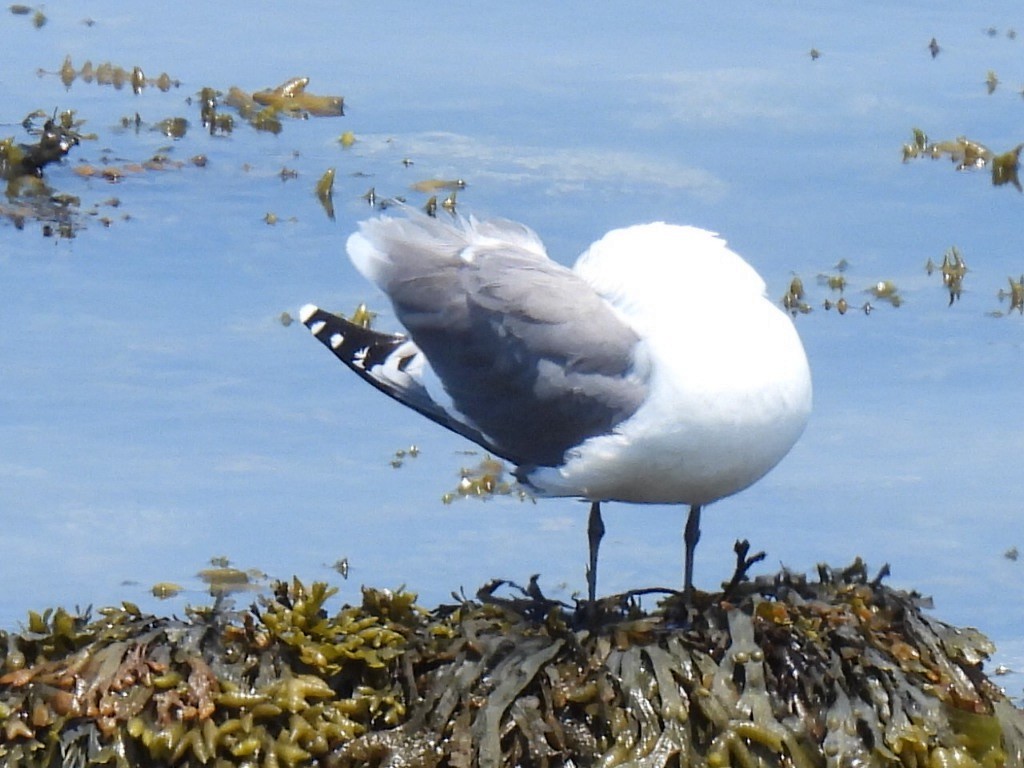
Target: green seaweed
[778,671]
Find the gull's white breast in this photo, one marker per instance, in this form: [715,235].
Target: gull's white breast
[729,384]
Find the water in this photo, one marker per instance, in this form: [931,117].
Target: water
[155,412]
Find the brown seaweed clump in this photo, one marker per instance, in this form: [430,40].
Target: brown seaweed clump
[55,139]
[27,195]
[781,671]
[263,109]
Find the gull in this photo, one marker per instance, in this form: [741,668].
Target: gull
[654,371]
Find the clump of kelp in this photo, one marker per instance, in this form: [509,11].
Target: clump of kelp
[778,671]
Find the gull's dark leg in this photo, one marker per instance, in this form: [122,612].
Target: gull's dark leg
[691,536]
[595,530]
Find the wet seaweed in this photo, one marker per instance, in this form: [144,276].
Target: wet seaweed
[967,154]
[22,164]
[1015,295]
[783,670]
[325,192]
[795,299]
[38,17]
[487,479]
[953,270]
[263,109]
[106,73]
[52,143]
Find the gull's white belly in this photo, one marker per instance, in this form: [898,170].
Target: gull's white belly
[722,410]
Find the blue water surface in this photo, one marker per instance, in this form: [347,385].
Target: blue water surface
[155,412]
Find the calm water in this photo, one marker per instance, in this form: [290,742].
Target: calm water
[154,412]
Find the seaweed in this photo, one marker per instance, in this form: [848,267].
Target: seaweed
[953,270]
[55,139]
[781,670]
[967,154]
[29,197]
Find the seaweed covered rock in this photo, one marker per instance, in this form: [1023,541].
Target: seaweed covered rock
[782,670]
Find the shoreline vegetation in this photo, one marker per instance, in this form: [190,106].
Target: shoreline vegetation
[781,670]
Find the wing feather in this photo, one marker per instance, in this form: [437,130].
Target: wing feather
[532,358]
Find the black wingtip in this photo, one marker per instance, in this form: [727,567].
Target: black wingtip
[357,347]
[363,350]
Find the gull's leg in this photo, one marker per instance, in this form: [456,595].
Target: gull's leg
[691,536]
[595,530]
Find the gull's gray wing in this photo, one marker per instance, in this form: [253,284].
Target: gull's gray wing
[531,357]
[388,361]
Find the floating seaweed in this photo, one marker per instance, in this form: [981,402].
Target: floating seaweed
[55,140]
[953,270]
[842,306]
[212,119]
[165,590]
[208,98]
[111,74]
[991,82]
[325,192]
[782,670]
[833,282]
[272,218]
[449,203]
[437,185]
[117,173]
[967,154]
[376,201]
[38,17]
[1006,167]
[291,98]
[484,481]
[363,316]
[793,298]
[886,290]
[399,456]
[29,197]
[1015,295]
[262,119]
[172,127]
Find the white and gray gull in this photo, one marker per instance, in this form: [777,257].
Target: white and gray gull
[654,371]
